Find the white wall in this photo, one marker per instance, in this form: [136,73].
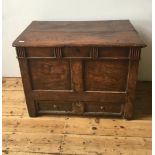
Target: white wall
[17,14]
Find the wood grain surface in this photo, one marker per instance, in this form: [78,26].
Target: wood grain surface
[79,33]
[65,135]
[79,62]
[79,75]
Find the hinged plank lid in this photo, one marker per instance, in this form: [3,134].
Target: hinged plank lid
[79,33]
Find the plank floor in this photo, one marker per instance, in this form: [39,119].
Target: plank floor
[74,135]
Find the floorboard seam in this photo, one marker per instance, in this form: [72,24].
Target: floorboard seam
[62,142]
[6,150]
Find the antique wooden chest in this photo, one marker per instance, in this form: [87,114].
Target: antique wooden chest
[79,67]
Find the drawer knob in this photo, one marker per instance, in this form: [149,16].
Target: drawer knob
[78,104]
[102,107]
[54,106]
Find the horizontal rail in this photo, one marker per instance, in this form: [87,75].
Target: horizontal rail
[98,58]
[87,91]
[83,114]
[108,96]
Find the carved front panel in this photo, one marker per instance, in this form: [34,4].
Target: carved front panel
[78,68]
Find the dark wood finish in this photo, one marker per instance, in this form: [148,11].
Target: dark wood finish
[26,79]
[107,75]
[79,33]
[97,96]
[84,68]
[77,75]
[56,73]
[131,83]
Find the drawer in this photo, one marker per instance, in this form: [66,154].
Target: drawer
[60,107]
[53,106]
[103,107]
[84,108]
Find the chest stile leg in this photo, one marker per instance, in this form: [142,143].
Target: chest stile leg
[77,84]
[23,63]
[131,82]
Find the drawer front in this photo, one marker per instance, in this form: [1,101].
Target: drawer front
[53,106]
[103,107]
[82,108]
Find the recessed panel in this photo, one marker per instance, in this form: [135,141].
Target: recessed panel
[105,75]
[49,106]
[49,74]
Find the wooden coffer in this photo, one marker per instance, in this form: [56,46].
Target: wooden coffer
[84,67]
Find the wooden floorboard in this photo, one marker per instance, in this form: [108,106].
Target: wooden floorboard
[66,135]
